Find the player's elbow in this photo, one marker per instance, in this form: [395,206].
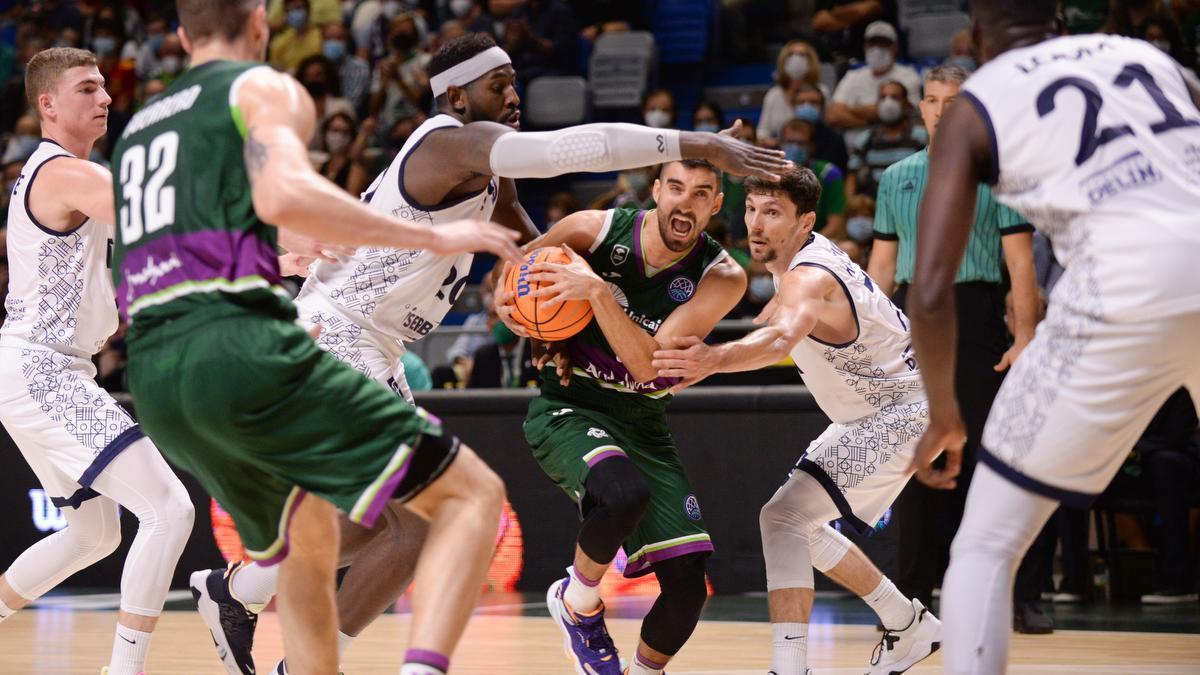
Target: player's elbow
[275,201]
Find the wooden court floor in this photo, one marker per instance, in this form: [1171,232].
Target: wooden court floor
[58,641]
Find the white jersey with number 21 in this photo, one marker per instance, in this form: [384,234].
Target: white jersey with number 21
[1096,140]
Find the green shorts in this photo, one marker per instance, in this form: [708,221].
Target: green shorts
[249,405]
[568,440]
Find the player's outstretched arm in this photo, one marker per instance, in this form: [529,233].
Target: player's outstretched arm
[289,193]
[67,185]
[956,165]
[488,148]
[790,317]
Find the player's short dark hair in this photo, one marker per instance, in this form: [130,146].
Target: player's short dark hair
[458,50]
[698,164]
[1023,13]
[215,19]
[799,184]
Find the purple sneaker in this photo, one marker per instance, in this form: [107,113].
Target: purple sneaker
[585,638]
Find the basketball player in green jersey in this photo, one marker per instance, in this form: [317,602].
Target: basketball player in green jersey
[602,433]
[237,394]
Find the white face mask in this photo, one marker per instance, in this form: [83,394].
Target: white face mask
[889,110]
[658,119]
[879,59]
[336,141]
[1163,46]
[461,7]
[171,65]
[795,67]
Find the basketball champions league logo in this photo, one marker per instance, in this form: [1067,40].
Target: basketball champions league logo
[681,289]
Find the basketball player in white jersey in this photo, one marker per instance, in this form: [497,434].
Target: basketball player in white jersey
[88,453]
[851,344]
[1096,140]
[459,164]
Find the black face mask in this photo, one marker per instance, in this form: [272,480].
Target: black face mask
[404,42]
[316,89]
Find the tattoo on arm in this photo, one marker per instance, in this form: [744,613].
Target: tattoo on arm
[256,155]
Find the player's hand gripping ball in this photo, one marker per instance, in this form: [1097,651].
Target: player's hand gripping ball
[557,322]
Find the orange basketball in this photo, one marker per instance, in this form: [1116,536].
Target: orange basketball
[556,322]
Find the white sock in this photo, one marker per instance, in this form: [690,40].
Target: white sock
[254,585]
[420,669]
[129,651]
[895,611]
[643,666]
[789,648]
[343,643]
[583,594]
[5,611]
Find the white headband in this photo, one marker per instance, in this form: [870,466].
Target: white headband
[468,71]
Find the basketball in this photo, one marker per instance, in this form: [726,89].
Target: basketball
[556,322]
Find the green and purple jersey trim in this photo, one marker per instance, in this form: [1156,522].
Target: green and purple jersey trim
[174,265]
[640,562]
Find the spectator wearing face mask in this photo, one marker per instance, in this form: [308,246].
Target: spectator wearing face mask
[342,145]
[400,84]
[860,220]
[892,139]
[708,117]
[299,39]
[120,75]
[828,143]
[658,109]
[854,100]
[147,55]
[962,51]
[171,59]
[796,66]
[320,80]
[796,141]
[838,24]
[353,72]
[321,13]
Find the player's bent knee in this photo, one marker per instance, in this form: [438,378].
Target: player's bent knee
[617,486]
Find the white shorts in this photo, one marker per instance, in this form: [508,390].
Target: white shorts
[863,465]
[66,426]
[1081,394]
[374,355]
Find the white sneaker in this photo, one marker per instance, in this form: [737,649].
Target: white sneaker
[900,650]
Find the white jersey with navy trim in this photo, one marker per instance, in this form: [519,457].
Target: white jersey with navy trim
[60,291]
[873,372]
[1096,140]
[402,293]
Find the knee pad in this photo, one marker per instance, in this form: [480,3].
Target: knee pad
[828,548]
[617,486]
[674,616]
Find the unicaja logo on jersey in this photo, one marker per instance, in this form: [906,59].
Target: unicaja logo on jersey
[691,506]
[681,289]
[619,254]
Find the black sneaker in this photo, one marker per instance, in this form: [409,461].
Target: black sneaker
[229,621]
[1029,618]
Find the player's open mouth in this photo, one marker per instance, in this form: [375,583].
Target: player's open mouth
[681,227]
[758,242]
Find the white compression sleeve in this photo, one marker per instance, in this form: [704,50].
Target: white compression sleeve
[588,147]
